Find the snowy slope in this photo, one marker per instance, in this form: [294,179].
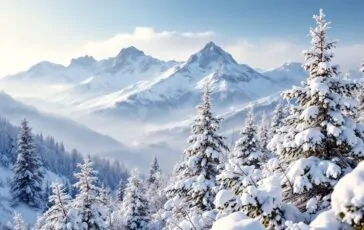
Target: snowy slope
[74,135]
[6,210]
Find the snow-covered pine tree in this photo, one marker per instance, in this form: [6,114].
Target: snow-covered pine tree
[18,222]
[89,210]
[244,160]
[195,186]
[47,192]
[243,186]
[263,136]
[277,119]
[108,205]
[154,171]
[360,96]
[155,191]
[26,185]
[57,216]
[119,194]
[134,209]
[321,139]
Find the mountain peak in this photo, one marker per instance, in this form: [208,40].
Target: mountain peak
[289,65]
[211,53]
[45,65]
[130,52]
[83,61]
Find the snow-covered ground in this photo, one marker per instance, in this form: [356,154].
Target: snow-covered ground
[7,210]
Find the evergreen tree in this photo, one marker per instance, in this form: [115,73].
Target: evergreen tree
[246,187]
[263,136]
[107,204]
[195,187]
[156,195]
[321,140]
[134,209]
[46,194]
[244,160]
[119,195]
[360,97]
[277,119]
[154,172]
[88,208]
[18,222]
[155,190]
[26,186]
[57,216]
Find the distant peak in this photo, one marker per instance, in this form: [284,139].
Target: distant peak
[211,45]
[45,65]
[212,53]
[130,52]
[83,61]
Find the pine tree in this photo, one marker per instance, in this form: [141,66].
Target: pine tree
[277,119]
[196,185]
[107,205]
[119,195]
[88,208]
[26,186]
[244,160]
[360,97]
[57,216]
[46,194]
[134,210]
[321,139]
[154,171]
[245,186]
[156,195]
[18,222]
[263,136]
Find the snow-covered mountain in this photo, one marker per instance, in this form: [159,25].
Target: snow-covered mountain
[128,67]
[47,72]
[179,88]
[71,133]
[135,85]
[290,73]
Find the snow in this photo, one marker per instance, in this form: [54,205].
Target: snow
[308,172]
[6,210]
[310,113]
[308,137]
[328,220]
[237,221]
[348,196]
[222,197]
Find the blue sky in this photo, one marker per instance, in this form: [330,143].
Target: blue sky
[60,30]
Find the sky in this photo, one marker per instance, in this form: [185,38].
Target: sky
[260,33]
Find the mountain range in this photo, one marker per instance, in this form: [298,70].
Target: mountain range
[135,85]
